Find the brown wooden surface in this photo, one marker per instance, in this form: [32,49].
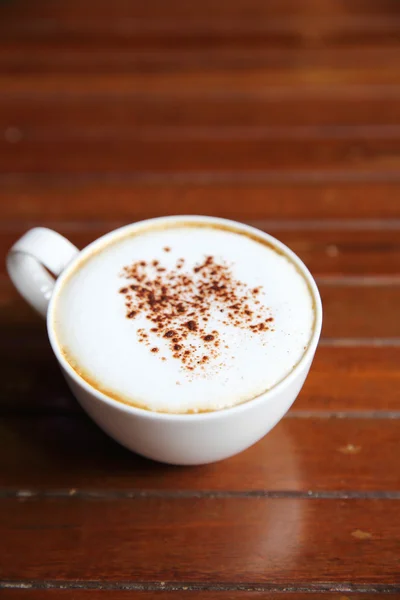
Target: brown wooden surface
[201,151]
[202,539]
[98,115]
[315,196]
[284,114]
[362,454]
[185,591]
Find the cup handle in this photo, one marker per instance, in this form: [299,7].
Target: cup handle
[29,261]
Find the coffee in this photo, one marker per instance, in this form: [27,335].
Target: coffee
[185,318]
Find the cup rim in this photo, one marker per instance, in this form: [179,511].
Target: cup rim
[266,395]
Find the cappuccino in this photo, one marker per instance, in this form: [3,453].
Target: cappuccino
[185,318]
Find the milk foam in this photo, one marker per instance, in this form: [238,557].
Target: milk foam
[104,346]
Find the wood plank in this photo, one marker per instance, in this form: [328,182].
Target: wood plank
[48,200]
[221,31]
[199,81]
[345,252]
[185,592]
[242,540]
[197,10]
[325,251]
[69,452]
[247,29]
[70,57]
[351,310]
[98,116]
[344,379]
[198,153]
[352,379]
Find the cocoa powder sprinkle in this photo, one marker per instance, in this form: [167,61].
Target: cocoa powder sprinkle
[179,301]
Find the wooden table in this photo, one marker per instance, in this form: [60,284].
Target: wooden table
[281,113]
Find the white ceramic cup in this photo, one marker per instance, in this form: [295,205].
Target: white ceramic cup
[184,439]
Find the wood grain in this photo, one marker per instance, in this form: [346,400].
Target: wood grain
[95,115]
[222,81]
[208,9]
[360,311]
[200,152]
[65,57]
[352,379]
[225,32]
[242,540]
[185,592]
[37,117]
[71,453]
[50,200]
[293,25]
